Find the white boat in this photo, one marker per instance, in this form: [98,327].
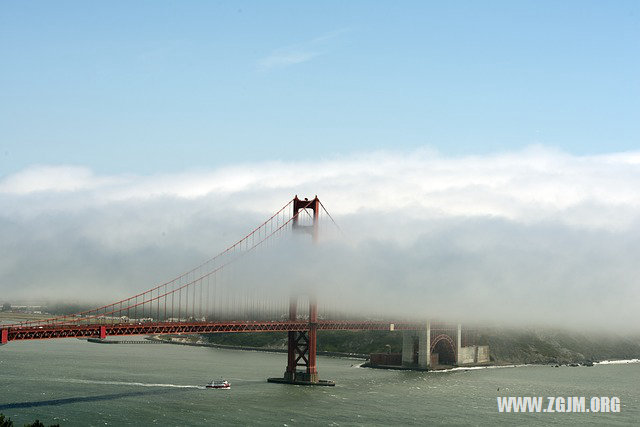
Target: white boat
[219,384]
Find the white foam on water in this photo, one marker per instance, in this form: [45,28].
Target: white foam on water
[475,368]
[617,362]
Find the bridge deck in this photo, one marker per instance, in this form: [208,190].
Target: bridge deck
[123,329]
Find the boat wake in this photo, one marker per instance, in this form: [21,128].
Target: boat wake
[135,384]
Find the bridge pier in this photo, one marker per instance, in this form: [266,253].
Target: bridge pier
[459,345]
[4,336]
[302,351]
[408,348]
[416,348]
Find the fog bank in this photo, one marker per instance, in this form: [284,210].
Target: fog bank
[535,236]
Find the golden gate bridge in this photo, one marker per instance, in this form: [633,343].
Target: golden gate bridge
[197,302]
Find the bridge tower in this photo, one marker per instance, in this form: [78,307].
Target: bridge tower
[301,346]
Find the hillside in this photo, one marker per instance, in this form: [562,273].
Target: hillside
[556,346]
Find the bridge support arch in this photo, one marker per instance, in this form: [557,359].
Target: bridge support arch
[439,343]
[444,346]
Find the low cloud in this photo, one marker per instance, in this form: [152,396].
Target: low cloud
[534,236]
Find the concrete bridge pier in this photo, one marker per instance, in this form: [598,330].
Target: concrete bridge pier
[459,360]
[408,347]
[416,348]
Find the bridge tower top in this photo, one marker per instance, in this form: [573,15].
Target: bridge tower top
[314,205]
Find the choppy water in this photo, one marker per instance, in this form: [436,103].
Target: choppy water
[73,382]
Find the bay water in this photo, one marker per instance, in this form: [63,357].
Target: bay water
[76,383]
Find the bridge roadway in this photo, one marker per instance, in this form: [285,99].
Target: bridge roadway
[147,328]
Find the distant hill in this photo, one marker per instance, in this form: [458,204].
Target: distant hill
[557,346]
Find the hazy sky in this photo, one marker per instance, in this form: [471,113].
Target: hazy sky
[482,157]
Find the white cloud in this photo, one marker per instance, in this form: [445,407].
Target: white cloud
[298,53]
[529,186]
[286,57]
[54,178]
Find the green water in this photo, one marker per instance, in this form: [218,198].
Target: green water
[73,382]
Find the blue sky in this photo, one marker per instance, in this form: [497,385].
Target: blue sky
[155,87]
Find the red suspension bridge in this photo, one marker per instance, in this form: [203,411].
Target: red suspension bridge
[209,299]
